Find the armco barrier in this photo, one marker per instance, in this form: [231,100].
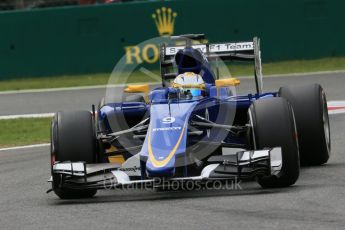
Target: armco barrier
[76,40]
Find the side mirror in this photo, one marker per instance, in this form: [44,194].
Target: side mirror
[227,82]
[138,89]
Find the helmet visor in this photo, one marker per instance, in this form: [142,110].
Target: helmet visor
[195,92]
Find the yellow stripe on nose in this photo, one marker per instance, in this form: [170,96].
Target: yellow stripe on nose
[162,163]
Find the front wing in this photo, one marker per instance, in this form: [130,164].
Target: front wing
[239,166]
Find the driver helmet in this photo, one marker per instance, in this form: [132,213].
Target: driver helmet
[190,83]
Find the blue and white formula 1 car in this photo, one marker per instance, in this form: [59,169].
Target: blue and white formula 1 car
[181,132]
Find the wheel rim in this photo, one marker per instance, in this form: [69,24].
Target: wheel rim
[326,127]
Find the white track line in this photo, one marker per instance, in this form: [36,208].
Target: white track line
[154,83]
[336,107]
[305,74]
[25,147]
[69,88]
[338,111]
[38,115]
[336,103]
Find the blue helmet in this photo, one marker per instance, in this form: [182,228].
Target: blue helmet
[189,60]
[192,60]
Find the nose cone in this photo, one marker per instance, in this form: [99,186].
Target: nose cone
[162,153]
[166,138]
[167,170]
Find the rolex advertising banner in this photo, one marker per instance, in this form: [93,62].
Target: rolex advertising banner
[92,39]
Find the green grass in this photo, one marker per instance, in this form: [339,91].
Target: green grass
[297,66]
[54,82]
[284,67]
[26,131]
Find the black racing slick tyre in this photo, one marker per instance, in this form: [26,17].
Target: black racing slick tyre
[273,125]
[310,107]
[72,139]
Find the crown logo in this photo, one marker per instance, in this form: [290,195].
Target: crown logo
[165,21]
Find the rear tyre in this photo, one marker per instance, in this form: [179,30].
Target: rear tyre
[273,125]
[310,107]
[72,139]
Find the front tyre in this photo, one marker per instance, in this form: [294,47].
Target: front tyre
[72,139]
[310,107]
[273,125]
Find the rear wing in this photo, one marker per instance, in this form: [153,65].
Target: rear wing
[221,50]
[242,51]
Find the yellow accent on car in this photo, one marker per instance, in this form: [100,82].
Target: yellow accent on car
[137,89]
[111,149]
[119,159]
[227,82]
[189,86]
[116,159]
[162,163]
[189,74]
[145,88]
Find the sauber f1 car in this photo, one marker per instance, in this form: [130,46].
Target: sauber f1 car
[181,131]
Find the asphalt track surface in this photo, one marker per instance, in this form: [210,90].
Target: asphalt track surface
[316,201]
[47,102]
